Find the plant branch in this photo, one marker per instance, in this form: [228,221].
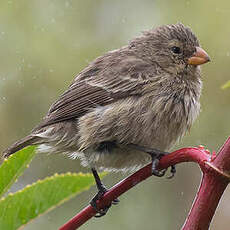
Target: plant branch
[215,179]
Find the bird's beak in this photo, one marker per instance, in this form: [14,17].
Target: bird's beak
[199,57]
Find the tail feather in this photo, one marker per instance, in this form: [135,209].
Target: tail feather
[26,141]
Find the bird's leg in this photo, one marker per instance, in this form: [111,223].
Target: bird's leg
[156,155]
[101,191]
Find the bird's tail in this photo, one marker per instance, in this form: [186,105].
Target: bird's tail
[26,141]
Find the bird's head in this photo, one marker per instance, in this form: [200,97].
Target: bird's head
[175,48]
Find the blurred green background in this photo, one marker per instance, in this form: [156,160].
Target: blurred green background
[44,44]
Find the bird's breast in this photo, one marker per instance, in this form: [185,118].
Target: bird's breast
[166,117]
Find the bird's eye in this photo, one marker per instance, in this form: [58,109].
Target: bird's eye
[176,50]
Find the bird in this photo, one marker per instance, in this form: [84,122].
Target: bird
[128,107]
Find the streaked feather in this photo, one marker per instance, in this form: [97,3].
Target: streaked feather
[89,91]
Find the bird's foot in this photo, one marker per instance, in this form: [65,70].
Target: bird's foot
[101,212]
[101,191]
[155,171]
[172,171]
[156,155]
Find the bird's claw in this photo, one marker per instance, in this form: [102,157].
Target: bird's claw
[115,202]
[172,171]
[155,171]
[161,173]
[101,212]
[156,155]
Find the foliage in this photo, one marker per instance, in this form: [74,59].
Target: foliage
[12,168]
[226,85]
[19,208]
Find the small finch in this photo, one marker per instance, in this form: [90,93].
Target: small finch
[128,107]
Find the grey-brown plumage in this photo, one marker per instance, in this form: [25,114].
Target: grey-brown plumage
[146,93]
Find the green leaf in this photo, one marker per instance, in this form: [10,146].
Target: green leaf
[19,208]
[226,85]
[13,167]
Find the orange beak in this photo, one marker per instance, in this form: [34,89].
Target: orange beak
[199,57]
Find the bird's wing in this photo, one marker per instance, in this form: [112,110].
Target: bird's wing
[99,85]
